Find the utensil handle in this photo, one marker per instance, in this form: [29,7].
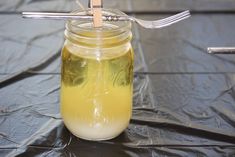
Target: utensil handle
[55,16]
[221,50]
[65,16]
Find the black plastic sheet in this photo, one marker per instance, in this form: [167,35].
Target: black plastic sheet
[183,103]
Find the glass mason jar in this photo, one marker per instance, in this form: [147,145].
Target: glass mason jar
[97,78]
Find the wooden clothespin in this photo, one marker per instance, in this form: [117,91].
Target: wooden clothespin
[96,7]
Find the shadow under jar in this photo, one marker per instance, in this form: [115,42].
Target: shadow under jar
[97,78]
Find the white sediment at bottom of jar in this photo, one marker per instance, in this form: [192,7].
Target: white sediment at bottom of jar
[96,132]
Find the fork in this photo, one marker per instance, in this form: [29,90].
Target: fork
[144,23]
[163,22]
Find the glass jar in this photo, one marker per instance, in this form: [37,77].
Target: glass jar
[97,77]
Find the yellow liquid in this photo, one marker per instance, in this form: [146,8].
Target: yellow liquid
[96,93]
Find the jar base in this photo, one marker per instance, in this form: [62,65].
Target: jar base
[97,139]
[99,134]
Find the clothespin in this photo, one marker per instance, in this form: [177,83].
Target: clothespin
[96,7]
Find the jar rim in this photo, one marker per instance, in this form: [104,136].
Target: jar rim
[120,25]
[111,33]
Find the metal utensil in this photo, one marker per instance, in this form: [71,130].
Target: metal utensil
[221,50]
[144,23]
[163,22]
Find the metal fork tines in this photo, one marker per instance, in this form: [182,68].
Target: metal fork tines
[163,22]
[144,23]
